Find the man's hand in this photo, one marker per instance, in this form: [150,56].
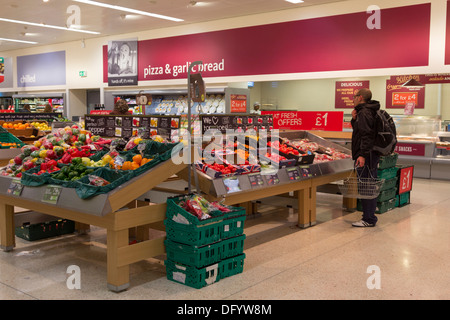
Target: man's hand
[354,113]
[360,162]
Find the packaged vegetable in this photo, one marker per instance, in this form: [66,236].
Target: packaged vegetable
[97,181]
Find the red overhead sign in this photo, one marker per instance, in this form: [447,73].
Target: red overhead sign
[320,44]
[307,120]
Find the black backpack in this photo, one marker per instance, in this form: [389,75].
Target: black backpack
[386,137]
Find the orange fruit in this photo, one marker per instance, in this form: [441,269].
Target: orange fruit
[137,158]
[10,125]
[127,165]
[5,125]
[134,165]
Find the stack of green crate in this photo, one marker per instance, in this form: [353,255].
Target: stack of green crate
[387,170]
[201,252]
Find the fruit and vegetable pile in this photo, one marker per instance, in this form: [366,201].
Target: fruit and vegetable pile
[71,153]
[281,152]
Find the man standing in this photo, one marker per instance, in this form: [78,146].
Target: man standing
[363,138]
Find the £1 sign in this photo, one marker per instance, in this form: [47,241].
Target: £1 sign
[406,177]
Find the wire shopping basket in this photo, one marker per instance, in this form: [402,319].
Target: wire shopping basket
[358,187]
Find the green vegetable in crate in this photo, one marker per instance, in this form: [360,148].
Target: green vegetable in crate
[82,137]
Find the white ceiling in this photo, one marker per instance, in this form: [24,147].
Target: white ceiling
[112,22]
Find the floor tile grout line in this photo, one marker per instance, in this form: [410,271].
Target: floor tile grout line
[29,295]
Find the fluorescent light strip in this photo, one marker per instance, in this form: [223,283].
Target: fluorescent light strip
[114,7]
[22,41]
[48,26]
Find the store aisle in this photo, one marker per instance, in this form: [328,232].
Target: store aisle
[408,249]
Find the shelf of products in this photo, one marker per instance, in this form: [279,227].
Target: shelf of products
[38,102]
[174,102]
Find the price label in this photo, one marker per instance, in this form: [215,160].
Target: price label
[255,180]
[272,179]
[51,194]
[293,174]
[15,187]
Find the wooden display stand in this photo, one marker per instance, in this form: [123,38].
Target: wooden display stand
[305,191]
[107,214]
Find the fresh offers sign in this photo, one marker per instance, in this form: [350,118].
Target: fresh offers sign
[45,69]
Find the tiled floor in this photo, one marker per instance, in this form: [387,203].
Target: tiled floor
[409,248]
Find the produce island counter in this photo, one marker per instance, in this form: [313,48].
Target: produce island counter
[302,179]
[116,211]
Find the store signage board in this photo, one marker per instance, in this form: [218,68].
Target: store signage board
[29,116]
[405,180]
[345,90]
[410,149]
[238,103]
[128,126]
[122,60]
[398,96]
[238,123]
[422,78]
[44,69]
[323,50]
[307,120]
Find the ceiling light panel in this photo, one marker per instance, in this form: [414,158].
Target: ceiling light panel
[130,10]
[15,40]
[47,26]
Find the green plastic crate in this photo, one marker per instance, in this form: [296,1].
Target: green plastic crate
[191,276]
[232,227]
[10,138]
[388,161]
[388,173]
[176,213]
[232,247]
[232,266]
[387,195]
[404,199]
[385,206]
[48,229]
[192,255]
[195,235]
[389,184]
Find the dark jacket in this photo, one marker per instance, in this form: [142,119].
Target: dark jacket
[364,133]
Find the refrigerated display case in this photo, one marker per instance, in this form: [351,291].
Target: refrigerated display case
[417,137]
[174,101]
[37,102]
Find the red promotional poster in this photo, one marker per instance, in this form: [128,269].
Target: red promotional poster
[100,112]
[406,178]
[238,103]
[307,120]
[345,90]
[398,96]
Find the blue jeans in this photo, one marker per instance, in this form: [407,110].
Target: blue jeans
[370,170]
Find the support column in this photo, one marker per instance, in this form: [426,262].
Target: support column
[7,234]
[303,208]
[118,276]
